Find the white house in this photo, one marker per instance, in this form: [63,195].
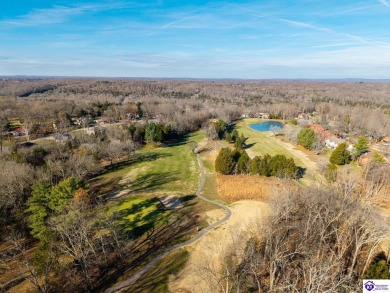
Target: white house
[333,142]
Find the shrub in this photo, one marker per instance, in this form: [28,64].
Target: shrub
[340,155]
[330,173]
[377,270]
[225,163]
[307,137]
[243,163]
[361,146]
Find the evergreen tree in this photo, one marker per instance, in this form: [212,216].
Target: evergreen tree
[220,127]
[378,158]
[265,166]
[228,137]
[225,163]
[362,145]
[239,142]
[46,201]
[307,138]
[255,165]
[62,193]
[340,155]
[243,163]
[38,209]
[234,135]
[378,270]
[291,168]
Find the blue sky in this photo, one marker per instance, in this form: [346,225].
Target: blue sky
[196,39]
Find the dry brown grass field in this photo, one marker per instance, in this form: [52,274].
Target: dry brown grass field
[240,187]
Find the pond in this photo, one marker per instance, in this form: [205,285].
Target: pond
[266,126]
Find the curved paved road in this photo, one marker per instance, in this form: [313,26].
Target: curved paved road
[146,268]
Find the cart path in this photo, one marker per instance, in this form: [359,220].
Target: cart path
[201,233]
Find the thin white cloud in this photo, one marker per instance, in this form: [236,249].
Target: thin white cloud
[57,14]
[385,3]
[326,30]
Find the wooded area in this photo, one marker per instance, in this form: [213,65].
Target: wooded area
[59,135]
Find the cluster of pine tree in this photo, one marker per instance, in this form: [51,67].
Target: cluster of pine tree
[237,161]
[151,132]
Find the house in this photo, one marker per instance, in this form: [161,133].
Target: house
[333,142]
[330,140]
[264,115]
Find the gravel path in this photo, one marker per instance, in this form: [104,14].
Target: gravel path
[201,233]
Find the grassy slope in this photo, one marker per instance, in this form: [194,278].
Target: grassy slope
[156,280]
[155,171]
[168,170]
[261,143]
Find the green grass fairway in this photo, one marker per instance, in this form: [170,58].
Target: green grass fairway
[171,169]
[261,143]
[138,214]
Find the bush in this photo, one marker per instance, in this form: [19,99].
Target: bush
[228,137]
[361,146]
[340,155]
[243,163]
[330,173]
[307,138]
[377,270]
[278,165]
[225,163]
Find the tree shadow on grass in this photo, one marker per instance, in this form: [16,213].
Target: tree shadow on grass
[187,198]
[249,145]
[150,181]
[138,158]
[180,140]
[145,216]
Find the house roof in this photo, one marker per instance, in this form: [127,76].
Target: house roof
[324,134]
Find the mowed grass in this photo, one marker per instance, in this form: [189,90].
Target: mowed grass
[138,214]
[262,143]
[172,169]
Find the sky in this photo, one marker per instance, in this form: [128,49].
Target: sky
[319,39]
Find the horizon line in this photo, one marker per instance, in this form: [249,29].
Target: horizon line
[351,79]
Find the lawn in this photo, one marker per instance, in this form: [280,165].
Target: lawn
[172,169]
[260,143]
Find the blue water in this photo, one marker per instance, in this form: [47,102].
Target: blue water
[266,126]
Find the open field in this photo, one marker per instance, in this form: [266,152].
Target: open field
[239,187]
